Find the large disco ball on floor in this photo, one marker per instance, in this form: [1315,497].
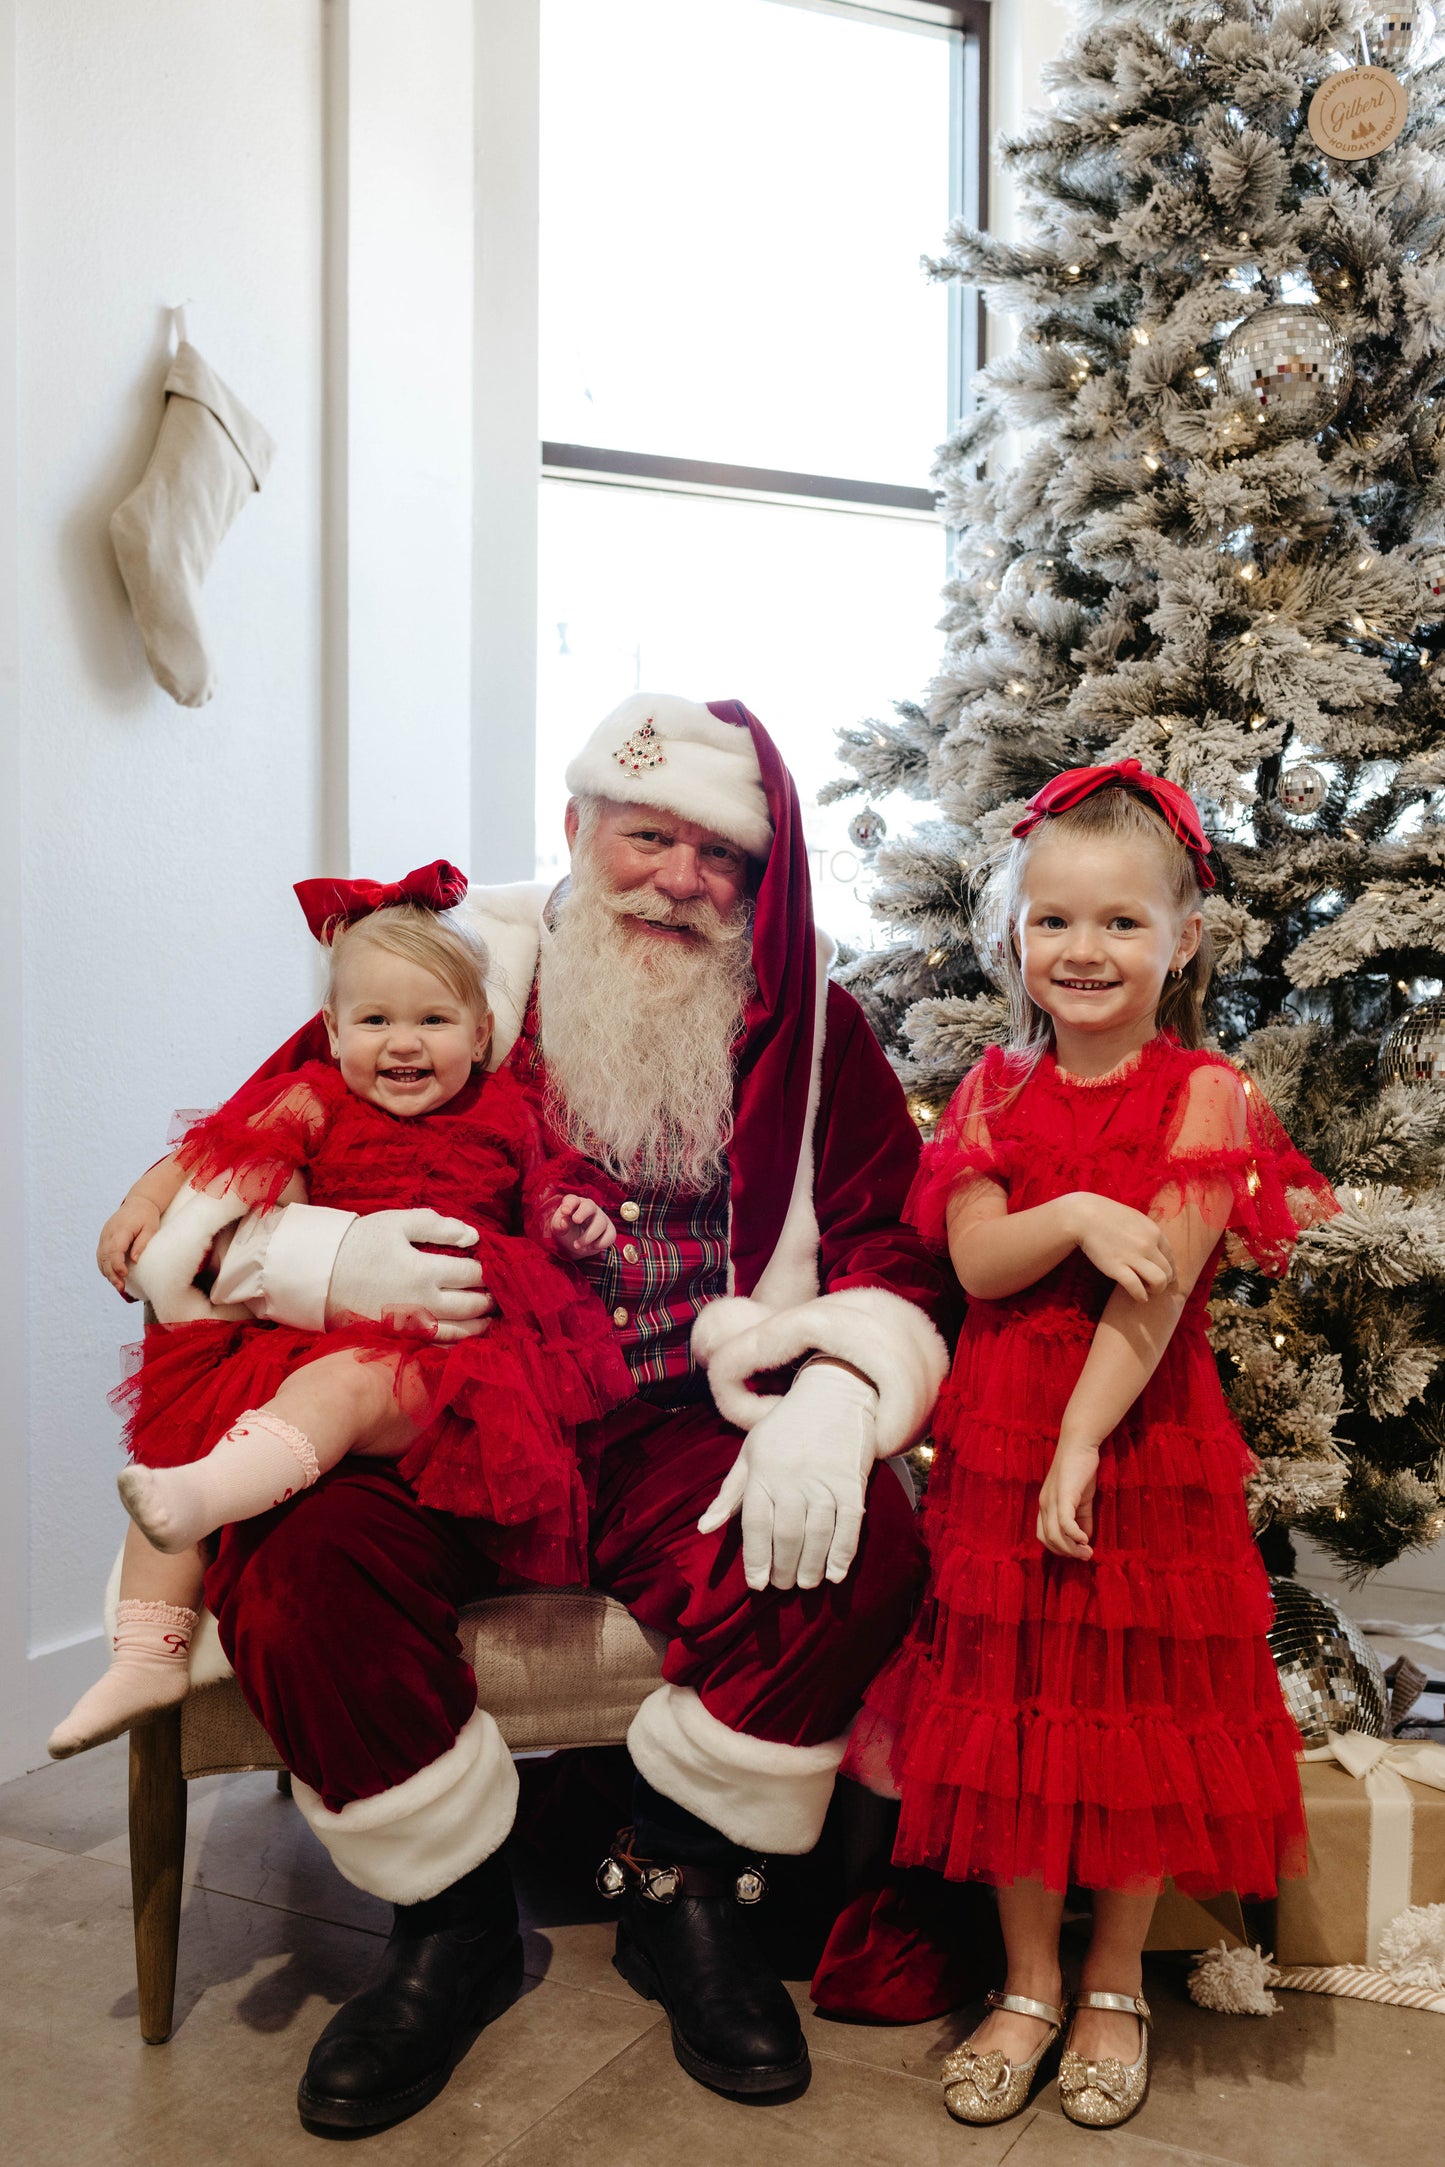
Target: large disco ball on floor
[1331,1675]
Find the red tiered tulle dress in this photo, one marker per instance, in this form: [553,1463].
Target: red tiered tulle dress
[499,1411]
[1112,1722]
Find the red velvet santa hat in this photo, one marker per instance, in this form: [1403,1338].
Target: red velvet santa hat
[657,749]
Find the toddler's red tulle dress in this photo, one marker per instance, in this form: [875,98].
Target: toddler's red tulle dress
[500,1411]
[1111,1722]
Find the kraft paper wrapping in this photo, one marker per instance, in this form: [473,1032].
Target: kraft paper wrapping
[1190,1922]
[1376,1845]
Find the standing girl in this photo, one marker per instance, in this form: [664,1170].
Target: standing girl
[1087,1696]
[232,1417]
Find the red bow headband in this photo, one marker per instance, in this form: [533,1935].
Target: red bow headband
[1078,783]
[331,904]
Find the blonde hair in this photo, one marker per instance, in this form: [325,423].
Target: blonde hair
[1119,816]
[437,941]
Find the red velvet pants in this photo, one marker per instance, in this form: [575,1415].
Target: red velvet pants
[338,1610]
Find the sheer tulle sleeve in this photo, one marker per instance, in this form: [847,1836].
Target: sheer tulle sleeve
[263,1135]
[1227,1156]
[963,1148]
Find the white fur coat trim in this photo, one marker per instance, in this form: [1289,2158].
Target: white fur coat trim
[419,1837]
[769,1797]
[509,920]
[888,1338]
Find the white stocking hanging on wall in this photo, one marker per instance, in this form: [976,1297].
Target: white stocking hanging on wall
[209,457]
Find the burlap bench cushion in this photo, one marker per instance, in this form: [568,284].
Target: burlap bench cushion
[555,1666]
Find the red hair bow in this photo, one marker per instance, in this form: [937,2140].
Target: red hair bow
[331,904]
[1078,783]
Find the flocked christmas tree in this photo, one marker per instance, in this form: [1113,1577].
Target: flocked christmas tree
[1195,510]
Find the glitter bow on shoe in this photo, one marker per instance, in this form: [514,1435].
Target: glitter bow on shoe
[988,2087]
[1102,2094]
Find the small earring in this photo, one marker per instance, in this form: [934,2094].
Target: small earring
[1177,972]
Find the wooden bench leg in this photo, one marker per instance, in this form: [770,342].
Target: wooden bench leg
[157,1854]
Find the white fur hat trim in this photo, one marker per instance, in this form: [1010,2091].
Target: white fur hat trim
[656,749]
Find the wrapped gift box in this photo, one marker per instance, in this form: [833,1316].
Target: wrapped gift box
[1376,1845]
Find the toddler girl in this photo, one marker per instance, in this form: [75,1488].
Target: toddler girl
[1087,1696]
[231,1417]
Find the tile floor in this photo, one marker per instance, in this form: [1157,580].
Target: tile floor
[579,2073]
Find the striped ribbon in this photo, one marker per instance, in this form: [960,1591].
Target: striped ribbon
[1359,1982]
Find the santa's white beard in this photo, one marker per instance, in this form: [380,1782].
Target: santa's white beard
[638,1032]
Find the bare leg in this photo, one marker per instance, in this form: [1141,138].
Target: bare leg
[1114,1965]
[147,1577]
[1030,1916]
[344,1402]
[150,1649]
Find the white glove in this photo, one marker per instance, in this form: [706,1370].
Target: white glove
[163,1272]
[379,1275]
[800,1480]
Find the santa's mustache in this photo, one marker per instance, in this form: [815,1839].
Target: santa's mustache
[701,915]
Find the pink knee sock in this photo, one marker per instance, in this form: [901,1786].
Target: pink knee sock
[259,1463]
[149,1669]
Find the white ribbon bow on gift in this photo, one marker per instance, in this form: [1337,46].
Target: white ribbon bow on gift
[1383,1765]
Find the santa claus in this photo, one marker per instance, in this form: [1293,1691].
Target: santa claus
[671,1002]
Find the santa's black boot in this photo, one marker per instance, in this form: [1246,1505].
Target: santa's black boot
[685,1939]
[451,1965]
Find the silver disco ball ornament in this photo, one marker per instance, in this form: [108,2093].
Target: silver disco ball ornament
[1330,1674]
[1292,363]
[1398,37]
[1430,563]
[1301,790]
[867,829]
[1414,1051]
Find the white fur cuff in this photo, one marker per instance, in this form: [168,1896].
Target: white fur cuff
[772,1798]
[416,1839]
[888,1338]
[300,1257]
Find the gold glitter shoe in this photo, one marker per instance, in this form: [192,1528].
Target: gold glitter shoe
[988,2087]
[1101,2095]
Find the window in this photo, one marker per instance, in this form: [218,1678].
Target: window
[744,373]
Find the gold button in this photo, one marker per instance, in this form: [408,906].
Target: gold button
[631,1213]
[630,1252]
[619,1316]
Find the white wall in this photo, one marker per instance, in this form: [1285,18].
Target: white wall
[408,341]
[301,173]
[166,150]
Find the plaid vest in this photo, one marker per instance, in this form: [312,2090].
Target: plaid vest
[671,1258]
